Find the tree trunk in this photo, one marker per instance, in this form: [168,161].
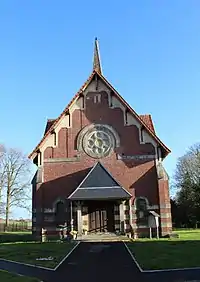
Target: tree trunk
[1,202]
[7,208]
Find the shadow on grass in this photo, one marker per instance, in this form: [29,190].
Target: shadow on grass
[166,254]
[16,237]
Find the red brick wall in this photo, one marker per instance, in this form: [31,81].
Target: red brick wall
[138,177]
[165,208]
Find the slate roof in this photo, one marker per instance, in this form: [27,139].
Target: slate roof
[99,184]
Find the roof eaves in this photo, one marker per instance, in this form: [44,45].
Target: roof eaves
[91,170]
[136,115]
[65,110]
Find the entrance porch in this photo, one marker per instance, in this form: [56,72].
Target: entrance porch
[101,216]
[100,203]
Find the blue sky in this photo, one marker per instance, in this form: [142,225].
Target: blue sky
[150,52]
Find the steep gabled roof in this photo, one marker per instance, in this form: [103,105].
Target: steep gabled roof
[143,120]
[50,122]
[149,130]
[148,121]
[63,113]
[99,184]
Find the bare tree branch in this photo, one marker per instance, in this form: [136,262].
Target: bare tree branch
[187,183]
[14,179]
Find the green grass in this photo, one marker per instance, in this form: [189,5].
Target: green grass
[181,252]
[29,252]
[16,237]
[9,277]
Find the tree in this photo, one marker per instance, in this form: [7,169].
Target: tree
[2,179]
[187,184]
[15,180]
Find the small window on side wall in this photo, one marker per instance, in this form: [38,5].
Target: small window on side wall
[60,213]
[97,98]
[141,211]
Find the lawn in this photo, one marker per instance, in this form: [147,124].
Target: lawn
[9,277]
[168,253]
[28,252]
[6,237]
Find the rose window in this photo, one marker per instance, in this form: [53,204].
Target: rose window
[98,143]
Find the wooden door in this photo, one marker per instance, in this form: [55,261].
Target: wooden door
[101,216]
[92,220]
[104,220]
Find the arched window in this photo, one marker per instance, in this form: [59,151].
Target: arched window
[141,211]
[60,213]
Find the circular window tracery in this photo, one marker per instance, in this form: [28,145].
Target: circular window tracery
[98,141]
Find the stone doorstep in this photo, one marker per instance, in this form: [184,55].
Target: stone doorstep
[104,240]
[101,238]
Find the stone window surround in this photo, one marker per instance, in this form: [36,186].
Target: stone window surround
[89,127]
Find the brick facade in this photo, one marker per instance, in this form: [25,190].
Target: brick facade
[62,165]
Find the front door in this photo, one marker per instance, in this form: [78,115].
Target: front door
[101,216]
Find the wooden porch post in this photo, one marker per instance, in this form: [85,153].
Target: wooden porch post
[71,212]
[131,215]
[79,218]
[122,217]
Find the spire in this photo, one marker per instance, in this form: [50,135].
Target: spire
[96,59]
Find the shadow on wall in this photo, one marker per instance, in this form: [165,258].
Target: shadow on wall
[145,186]
[129,135]
[134,163]
[62,187]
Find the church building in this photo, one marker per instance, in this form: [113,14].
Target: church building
[99,166]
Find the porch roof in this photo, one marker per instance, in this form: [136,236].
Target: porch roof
[99,184]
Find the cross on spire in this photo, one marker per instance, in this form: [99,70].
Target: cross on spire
[96,58]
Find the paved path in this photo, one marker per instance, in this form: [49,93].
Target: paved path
[100,262]
[173,276]
[105,262]
[24,269]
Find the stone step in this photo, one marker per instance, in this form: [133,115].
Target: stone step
[102,238]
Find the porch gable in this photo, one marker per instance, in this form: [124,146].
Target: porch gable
[99,184]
